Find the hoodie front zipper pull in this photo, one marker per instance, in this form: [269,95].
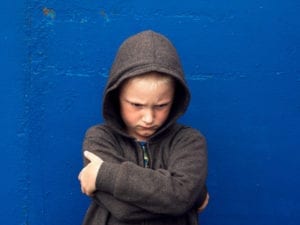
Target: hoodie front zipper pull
[145,154]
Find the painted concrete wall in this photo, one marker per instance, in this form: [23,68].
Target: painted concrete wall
[242,63]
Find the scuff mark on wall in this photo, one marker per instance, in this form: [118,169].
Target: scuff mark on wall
[49,12]
[104,15]
[84,20]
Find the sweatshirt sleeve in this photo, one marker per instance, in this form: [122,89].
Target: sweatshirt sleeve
[97,140]
[123,211]
[171,191]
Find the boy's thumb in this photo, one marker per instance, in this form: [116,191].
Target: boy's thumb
[90,156]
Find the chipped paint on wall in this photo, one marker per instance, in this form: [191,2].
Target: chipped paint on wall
[49,12]
[104,15]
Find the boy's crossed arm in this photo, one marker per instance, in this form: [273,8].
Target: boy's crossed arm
[88,176]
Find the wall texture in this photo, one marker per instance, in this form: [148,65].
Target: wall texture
[241,60]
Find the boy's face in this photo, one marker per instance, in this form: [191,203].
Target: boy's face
[145,103]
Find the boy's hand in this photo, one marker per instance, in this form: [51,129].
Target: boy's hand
[205,203]
[88,174]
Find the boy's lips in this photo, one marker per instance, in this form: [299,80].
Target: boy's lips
[148,128]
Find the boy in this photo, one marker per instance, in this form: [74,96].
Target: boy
[141,166]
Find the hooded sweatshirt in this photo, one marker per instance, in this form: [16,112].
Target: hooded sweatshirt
[172,187]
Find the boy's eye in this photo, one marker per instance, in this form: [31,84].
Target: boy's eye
[161,106]
[137,105]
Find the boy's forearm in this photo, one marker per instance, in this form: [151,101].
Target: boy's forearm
[123,211]
[165,194]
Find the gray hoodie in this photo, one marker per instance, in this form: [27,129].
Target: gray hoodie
[171,190]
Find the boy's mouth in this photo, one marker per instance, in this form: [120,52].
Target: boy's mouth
[153,128]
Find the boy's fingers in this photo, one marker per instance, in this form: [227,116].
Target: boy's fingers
[91,156]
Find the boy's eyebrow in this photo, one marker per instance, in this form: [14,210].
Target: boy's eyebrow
[137,102]
[131,101]
[127,100]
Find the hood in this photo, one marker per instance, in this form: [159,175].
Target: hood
[144,52]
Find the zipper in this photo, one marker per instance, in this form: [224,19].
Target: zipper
[146,158]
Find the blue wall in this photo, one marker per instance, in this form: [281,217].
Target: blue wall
[242,63]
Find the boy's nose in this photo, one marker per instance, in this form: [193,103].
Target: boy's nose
[148,116]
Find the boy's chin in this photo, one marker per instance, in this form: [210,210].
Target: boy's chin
[144,136]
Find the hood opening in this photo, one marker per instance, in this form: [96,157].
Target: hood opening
[142,53]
